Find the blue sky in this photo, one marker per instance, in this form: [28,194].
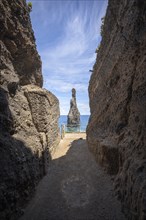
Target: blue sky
[67,34]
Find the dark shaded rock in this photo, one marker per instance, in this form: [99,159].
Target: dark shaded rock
[73,118]
[17,45]
[116,132]
[12,87]
[29,115]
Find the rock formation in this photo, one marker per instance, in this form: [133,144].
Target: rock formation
[116,132]
[73,118]
[29,114]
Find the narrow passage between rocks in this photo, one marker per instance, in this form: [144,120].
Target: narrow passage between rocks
[75,188]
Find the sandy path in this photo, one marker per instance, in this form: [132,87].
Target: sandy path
[75,188]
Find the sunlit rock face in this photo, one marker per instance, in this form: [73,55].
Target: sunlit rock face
[73,118]
[116,132]
[28,114]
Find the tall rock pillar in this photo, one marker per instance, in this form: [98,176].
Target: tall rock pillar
[73,118]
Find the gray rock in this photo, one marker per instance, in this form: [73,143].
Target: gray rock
[116,131]
[73,118]
[29,115]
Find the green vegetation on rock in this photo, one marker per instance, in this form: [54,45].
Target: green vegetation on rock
[29,6]
[97,49]
[102,24]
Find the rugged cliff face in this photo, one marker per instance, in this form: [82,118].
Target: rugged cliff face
[28,114]
[116,131]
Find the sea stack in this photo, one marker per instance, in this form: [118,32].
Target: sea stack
[73,118]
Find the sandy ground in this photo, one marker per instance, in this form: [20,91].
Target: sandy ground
[75,188]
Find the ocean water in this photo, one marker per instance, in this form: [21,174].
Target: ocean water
[83,123]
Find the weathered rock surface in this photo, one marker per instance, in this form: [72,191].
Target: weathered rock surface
[29,114]
[116,131]
[73,118]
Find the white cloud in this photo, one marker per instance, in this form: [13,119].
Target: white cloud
[64,107]
[66,62]
[62,86]
[84,108]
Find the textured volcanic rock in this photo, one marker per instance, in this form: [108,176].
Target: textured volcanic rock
[29,114]
[73,118]
[116,131]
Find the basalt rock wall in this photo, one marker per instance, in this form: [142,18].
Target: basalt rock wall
[29,115]
[116,132]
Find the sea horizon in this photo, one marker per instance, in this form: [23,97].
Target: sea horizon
[83,122]
[80,115]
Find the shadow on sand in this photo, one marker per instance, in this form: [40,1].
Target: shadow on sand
[74,188]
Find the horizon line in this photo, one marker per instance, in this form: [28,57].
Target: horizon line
[67,114]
